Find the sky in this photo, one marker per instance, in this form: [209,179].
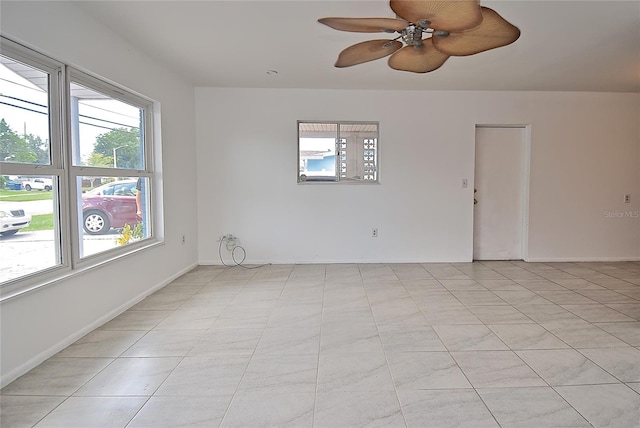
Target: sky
[320,144]
[22,105]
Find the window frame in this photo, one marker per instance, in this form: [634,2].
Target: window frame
[66,200]
[76,171]
[338,180]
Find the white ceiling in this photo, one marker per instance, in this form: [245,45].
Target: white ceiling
[570,45]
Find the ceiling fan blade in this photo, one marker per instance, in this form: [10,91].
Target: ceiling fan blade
[366,51]
[365,25]
[418,60]
[494,32]
[447,15]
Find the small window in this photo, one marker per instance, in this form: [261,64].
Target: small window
[338,152]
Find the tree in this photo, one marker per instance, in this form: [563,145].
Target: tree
[98,159]
[12,147]
[39,148]
[126,143]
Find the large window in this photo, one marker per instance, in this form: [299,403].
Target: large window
[76,169]
[338,152]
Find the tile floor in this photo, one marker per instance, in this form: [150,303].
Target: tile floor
[493,344]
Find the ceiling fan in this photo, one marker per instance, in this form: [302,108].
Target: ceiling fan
[449,28]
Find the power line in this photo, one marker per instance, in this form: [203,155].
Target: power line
[44,92]
[109,111]
[23,108]
[24,101]
[80,115]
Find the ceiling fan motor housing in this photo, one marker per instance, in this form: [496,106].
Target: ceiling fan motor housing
[412,35]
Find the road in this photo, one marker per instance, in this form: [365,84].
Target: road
[28,252]
[32,207]
[31,251]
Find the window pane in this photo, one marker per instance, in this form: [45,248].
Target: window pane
[361,144]
[106,132]
[114,212]
[29,235]
[317,151]
[24,114]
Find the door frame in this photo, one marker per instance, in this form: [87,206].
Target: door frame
[525,170]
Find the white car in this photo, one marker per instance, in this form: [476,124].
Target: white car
[12,219]
[38,184]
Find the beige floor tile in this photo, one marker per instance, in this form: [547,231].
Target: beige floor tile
[281,373]
[445,409]
[544,408]
[94,412]
[136,320]
[57,376]
[164,344]
[604,405]
[204,376]
[267,409]
[26,410]
[425,370]
[130,377]
[357,409]
[483,344]
[178,412]
[628,332]
[102,343]
[565,367]
[486,369]
[527,336]
[623,363]
[469,338]
[367,371]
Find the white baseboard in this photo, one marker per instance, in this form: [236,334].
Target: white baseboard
[23,368]
[528,260]
[581,259]
[325,262]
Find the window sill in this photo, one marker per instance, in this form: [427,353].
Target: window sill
[338,183]
[59,274]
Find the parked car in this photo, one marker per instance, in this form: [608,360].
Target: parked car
[12,219]
[12,185]
[109,206]
[38,184]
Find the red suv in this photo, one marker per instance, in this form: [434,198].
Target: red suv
[111,205]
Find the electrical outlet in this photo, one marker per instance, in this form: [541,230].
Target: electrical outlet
[374,232]
[183,240]
[627,198]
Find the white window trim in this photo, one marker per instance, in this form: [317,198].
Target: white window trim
[62,167]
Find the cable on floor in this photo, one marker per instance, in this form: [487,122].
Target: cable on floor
[230,244]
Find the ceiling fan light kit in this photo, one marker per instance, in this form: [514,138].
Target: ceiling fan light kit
[430,31]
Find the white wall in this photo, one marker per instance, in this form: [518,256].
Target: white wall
[584,158]
[40,323]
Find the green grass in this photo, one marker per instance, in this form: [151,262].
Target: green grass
[40,222]
[25,196]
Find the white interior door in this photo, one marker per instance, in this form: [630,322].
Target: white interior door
[499,184]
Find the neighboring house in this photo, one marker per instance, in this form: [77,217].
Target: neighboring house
[315,162]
